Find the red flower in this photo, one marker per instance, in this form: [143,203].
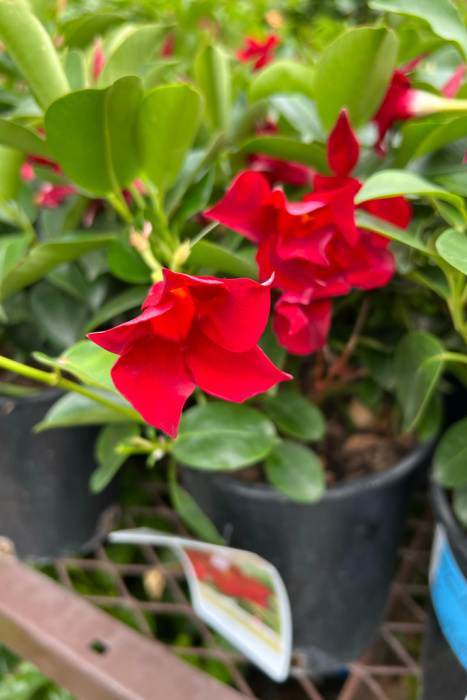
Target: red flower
[276,170]
[168,46]
[402,102]
[51,196]
[302,327]
[27,172]
[193,331]
[313,247]
[98,59]
[261,52]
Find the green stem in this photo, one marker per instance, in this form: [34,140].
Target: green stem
[138,197]
[121,207]
[56,380]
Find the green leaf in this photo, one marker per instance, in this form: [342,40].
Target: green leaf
[223,436]
[80,32]
[282,76]
[10,163]
[45,256]
[91,134]
[433,278]
[86,361]
[394,183]
[126,263]
[431,421]
[59,316]
[295,471]
[459,504]
[75,69]
[167,123]
[450,458]
[12,248]
[441,15]
[381,366]
[195,199]
[191,514]
[220,259]
[354,72]
[417,374]
[131,298]
[291,150]
[442,135]
[23,684]
[138,47]
[73,409]
[107,455]
[295,415]
[452,246]
[22,138]
[213,77]
[32,51]
[372,223]
[302,115]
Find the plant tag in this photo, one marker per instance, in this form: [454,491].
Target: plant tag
[449,595]
[237,593]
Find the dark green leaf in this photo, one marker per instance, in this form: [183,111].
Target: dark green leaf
[450,458]
[354,72]
[295,415]
[431,421]
[73,409]
[131,298]
[59,316]
[417,374]
[107,455]
[191,514]
[295,471]
[126,263]
[91,134]
[459,504]
[223,436]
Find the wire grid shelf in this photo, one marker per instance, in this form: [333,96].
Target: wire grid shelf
[145,587]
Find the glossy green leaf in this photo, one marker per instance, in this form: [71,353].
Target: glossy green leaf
[126,263]
[191,514]
[223,436]
[394,183]
[167,123]
[43,257]
[354,72]
[73,410]
[417,373]
[452,246]
[372,223]
[441,15]
[139,46]
[431,421]
[450,458]
[459,504]
[22,138]
[295,471]
[59,316]
[214,80]
[220,259]
[291,150]
[91,134]
[442,135]
[12,248]
[131,298]
[10,164]
[86,361]
[296,416]
[31,48]
[80,32]
[282,76]
[107,455]
[75,69]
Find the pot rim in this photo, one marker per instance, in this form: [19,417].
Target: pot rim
[333,492]
[46,395]
[445,516]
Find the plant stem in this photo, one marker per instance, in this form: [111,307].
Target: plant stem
[121,207]
[55,379]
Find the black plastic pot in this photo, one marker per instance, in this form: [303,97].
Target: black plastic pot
[46,507]
[444,678]
[336,557]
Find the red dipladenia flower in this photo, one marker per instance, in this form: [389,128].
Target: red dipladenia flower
[51,196]
[261,52]
[313,247]
[402,102]
[98,59]
[194,331]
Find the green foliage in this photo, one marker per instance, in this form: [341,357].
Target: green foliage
[213,78]
[296,416]
[108,454]
[282,76]
[295,471]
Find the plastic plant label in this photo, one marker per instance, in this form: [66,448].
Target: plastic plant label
[449,595]
[237,593]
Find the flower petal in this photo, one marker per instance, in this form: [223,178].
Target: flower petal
[233,376]
[118,339]
[153,377]
[237,321]
[342,149]
[243,207]
[302,329]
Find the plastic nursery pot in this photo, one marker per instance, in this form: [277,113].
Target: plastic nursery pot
[46,507]
[337,557]
[444,677]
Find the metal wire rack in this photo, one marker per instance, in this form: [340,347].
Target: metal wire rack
[144,587]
